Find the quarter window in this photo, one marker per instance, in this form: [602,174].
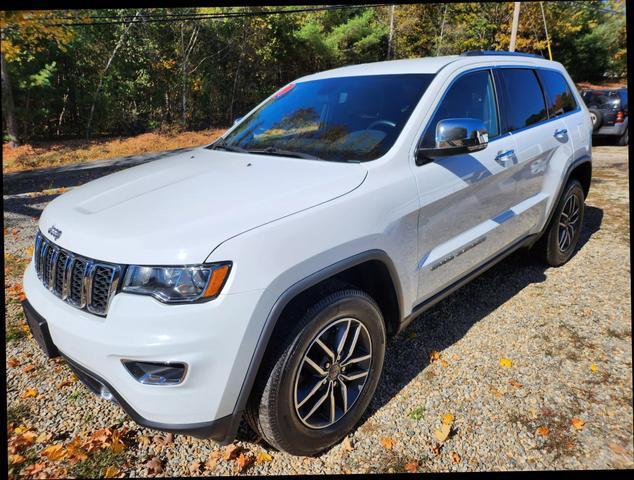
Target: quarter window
[471,96]
[524,96]
[559,95]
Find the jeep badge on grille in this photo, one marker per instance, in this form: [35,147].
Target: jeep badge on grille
[55,232]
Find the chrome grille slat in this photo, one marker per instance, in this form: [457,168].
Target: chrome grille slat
[82,282]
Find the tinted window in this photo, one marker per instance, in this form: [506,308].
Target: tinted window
[559,95]
[524,96]
[471,96]
[601,98]
[341,119]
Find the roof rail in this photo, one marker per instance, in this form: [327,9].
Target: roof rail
[475,53]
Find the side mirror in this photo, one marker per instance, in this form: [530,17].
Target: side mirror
[455,136]
[237,120]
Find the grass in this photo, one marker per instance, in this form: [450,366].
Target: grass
[417,414]
[67,152]
[95,465]
[17,412]
[14,332]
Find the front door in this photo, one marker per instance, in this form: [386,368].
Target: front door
[465,198]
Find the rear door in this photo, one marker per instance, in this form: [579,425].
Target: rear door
[543,142]
[464,198]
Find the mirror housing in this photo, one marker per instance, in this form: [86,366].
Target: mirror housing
[455,136]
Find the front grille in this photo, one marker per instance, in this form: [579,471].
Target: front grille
[82,282]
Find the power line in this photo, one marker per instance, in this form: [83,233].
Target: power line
[178,17]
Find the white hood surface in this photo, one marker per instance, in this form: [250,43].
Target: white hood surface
[177,210]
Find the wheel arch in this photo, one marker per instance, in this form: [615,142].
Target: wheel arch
[371,270]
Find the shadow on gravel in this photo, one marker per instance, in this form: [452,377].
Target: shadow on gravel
[72,175]
[447,322]
[26,205]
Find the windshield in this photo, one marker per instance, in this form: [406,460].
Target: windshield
[601,98]
[340,119]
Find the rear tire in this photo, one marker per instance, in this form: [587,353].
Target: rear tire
[559,241]
[282,407]
[623,139]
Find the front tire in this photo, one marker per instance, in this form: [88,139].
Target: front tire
[560,239]
[315,386]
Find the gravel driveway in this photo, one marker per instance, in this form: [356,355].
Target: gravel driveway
[533,364]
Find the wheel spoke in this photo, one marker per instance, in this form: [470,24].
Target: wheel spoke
[318,404]
[356,360]
[317,386]
[332,403]
[329,352]
[343,339]
[319,370]
[344,395]
[356,376]
[352,345]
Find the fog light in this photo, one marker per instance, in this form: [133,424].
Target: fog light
[105,393]
[156,373]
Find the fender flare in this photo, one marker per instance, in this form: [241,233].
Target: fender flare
[278,307]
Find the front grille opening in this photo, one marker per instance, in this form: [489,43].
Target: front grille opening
[82,282]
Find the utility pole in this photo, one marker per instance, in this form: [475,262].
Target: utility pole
[516,21]
[550,53]
[390,38]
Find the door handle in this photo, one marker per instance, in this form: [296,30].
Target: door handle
[506,158]
[561,134]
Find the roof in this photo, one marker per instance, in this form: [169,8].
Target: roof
[424,65]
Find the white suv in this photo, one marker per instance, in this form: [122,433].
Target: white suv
[261,276]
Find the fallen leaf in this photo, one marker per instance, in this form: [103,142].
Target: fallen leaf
[29,252]
[28,368]
[164,440]
[154,465]
[117,445]
[442,433]
[31,392]
[455,357]
[617,448]
[54,452]
[347,444]
[63,383]
[243,462]
[387,442]
[14,232]
[230,452]
[263,457]
[6,232]
[75,452]
[577,423]
[433,356]
[411,467]
[110,472]
[516,384]
[455,458]
[495,391]
[212,460]
[143,440]
[16,459]
[44,437]
[444,363]
[31,470]
[13,362]
[543,431]
[194,468]
[447,418]
[506,363]
[593,367]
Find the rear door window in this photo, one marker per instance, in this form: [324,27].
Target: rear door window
[558,93]
[524,96]
[470,96]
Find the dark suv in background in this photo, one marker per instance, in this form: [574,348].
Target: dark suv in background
[609,112]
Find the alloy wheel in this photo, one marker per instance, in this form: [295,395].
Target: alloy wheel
[568,222]
[332,373]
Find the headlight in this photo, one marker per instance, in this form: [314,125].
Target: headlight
[177,284]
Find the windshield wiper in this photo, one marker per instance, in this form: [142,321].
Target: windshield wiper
[282,153]
[221,144]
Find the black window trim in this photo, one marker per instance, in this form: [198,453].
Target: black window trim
[490,70]
[549,119]
[545,91]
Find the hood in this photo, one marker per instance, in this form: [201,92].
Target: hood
[178,209]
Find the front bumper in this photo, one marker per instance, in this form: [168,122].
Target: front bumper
[206,336]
